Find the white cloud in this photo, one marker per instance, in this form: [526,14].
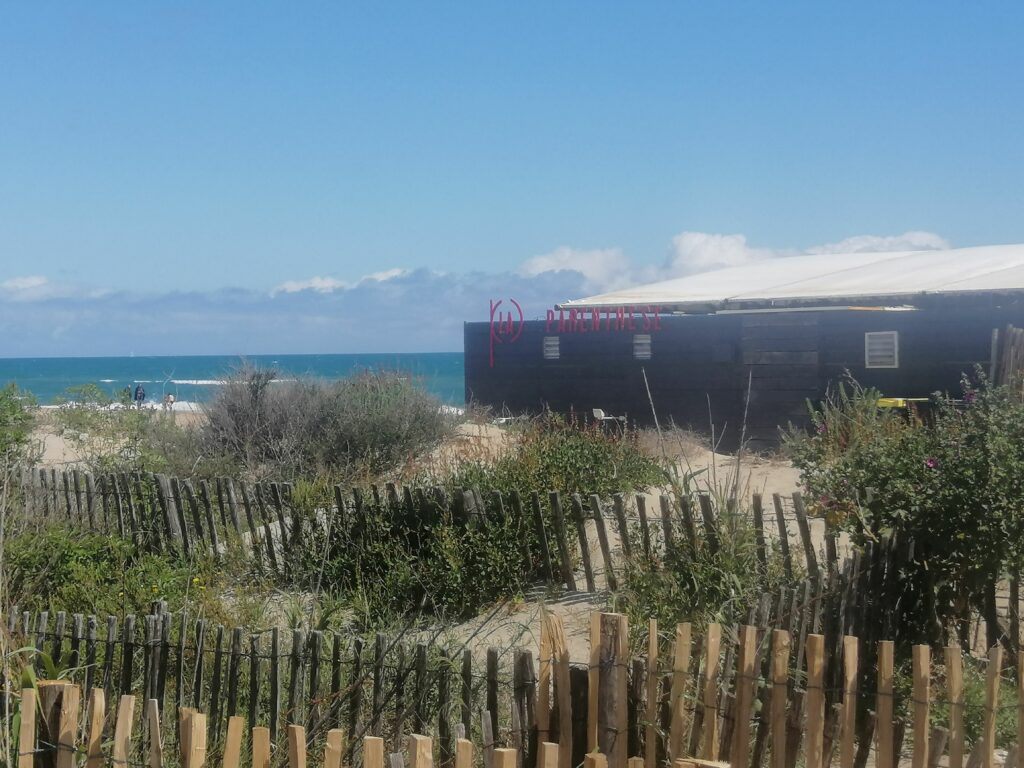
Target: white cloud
[702,251]
[39,288]
[602,269]
[24,283]
[610,269]
[318,284]
[330,284]
[913,240]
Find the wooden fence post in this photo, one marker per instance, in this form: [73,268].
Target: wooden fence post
[780,684]
[94,740]
[27,730]
[680,676]
[921,673]
[815,651]
[955,694]
[746,678]
[612,712]
[123,732]
[995,662]
[651,714]
[849,727]
[884,757]
[712,641]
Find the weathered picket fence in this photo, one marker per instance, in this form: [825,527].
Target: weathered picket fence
[747,697]
[563,537]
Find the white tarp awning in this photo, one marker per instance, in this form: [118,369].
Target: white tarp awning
[804,280]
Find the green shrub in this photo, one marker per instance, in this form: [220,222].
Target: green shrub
[390,561]
[298,428]
[62,569]
[552,453]
[719,581]
[117,439]
[953,483]
[16,422]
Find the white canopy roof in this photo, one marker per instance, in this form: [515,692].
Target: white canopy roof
[826,278]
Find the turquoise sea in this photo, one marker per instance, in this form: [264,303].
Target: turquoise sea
[196,378]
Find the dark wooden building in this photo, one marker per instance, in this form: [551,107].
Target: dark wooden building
[720,352]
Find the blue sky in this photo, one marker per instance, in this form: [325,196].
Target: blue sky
[311,161]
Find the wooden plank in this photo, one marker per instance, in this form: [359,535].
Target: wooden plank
[492,687]
[780,681]
[542,539]
[595,760]
[297,663]
[67,742]
[1020,702]
[995,662]
[464,754]
[581,532]
[296,746]
[334,748]
[667,531]
[593,678]
[602,538]
[543,682]
[849,719]
[713,638]
[746,679]
[421,751]
[651,713]
[612,716]
[759,539]
[275,680]
[680,677]
[645,531]
[233,742]
[27,729]
[547,758]
[955,694]
[815,698]
[261,747]
[780,520]
[805,536]
[467,687]
[921,704]
[884,756]
[254,677]
[561,536]
[122,746]
[156,743]
[379,645]
[619,507]
[504,758]
[94,737]
[563,694]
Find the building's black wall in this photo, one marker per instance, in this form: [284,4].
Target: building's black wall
[703,366]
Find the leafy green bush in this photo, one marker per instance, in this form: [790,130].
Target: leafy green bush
[16,421]
[390,560]
[552,453]
[717,582]
[119,439]
[63,569]
[298,428]
[953,483]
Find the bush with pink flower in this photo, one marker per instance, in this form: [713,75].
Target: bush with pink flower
[950,479]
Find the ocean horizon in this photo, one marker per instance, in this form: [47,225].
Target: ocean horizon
[195,378]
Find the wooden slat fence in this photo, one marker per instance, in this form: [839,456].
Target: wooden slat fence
[746,696]
[566,540]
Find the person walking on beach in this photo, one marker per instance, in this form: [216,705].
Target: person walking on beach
[140,395]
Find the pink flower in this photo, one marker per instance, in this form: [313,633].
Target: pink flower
[931,462]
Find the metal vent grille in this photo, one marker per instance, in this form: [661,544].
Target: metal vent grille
[882,349]
[552,349]
[642,346]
